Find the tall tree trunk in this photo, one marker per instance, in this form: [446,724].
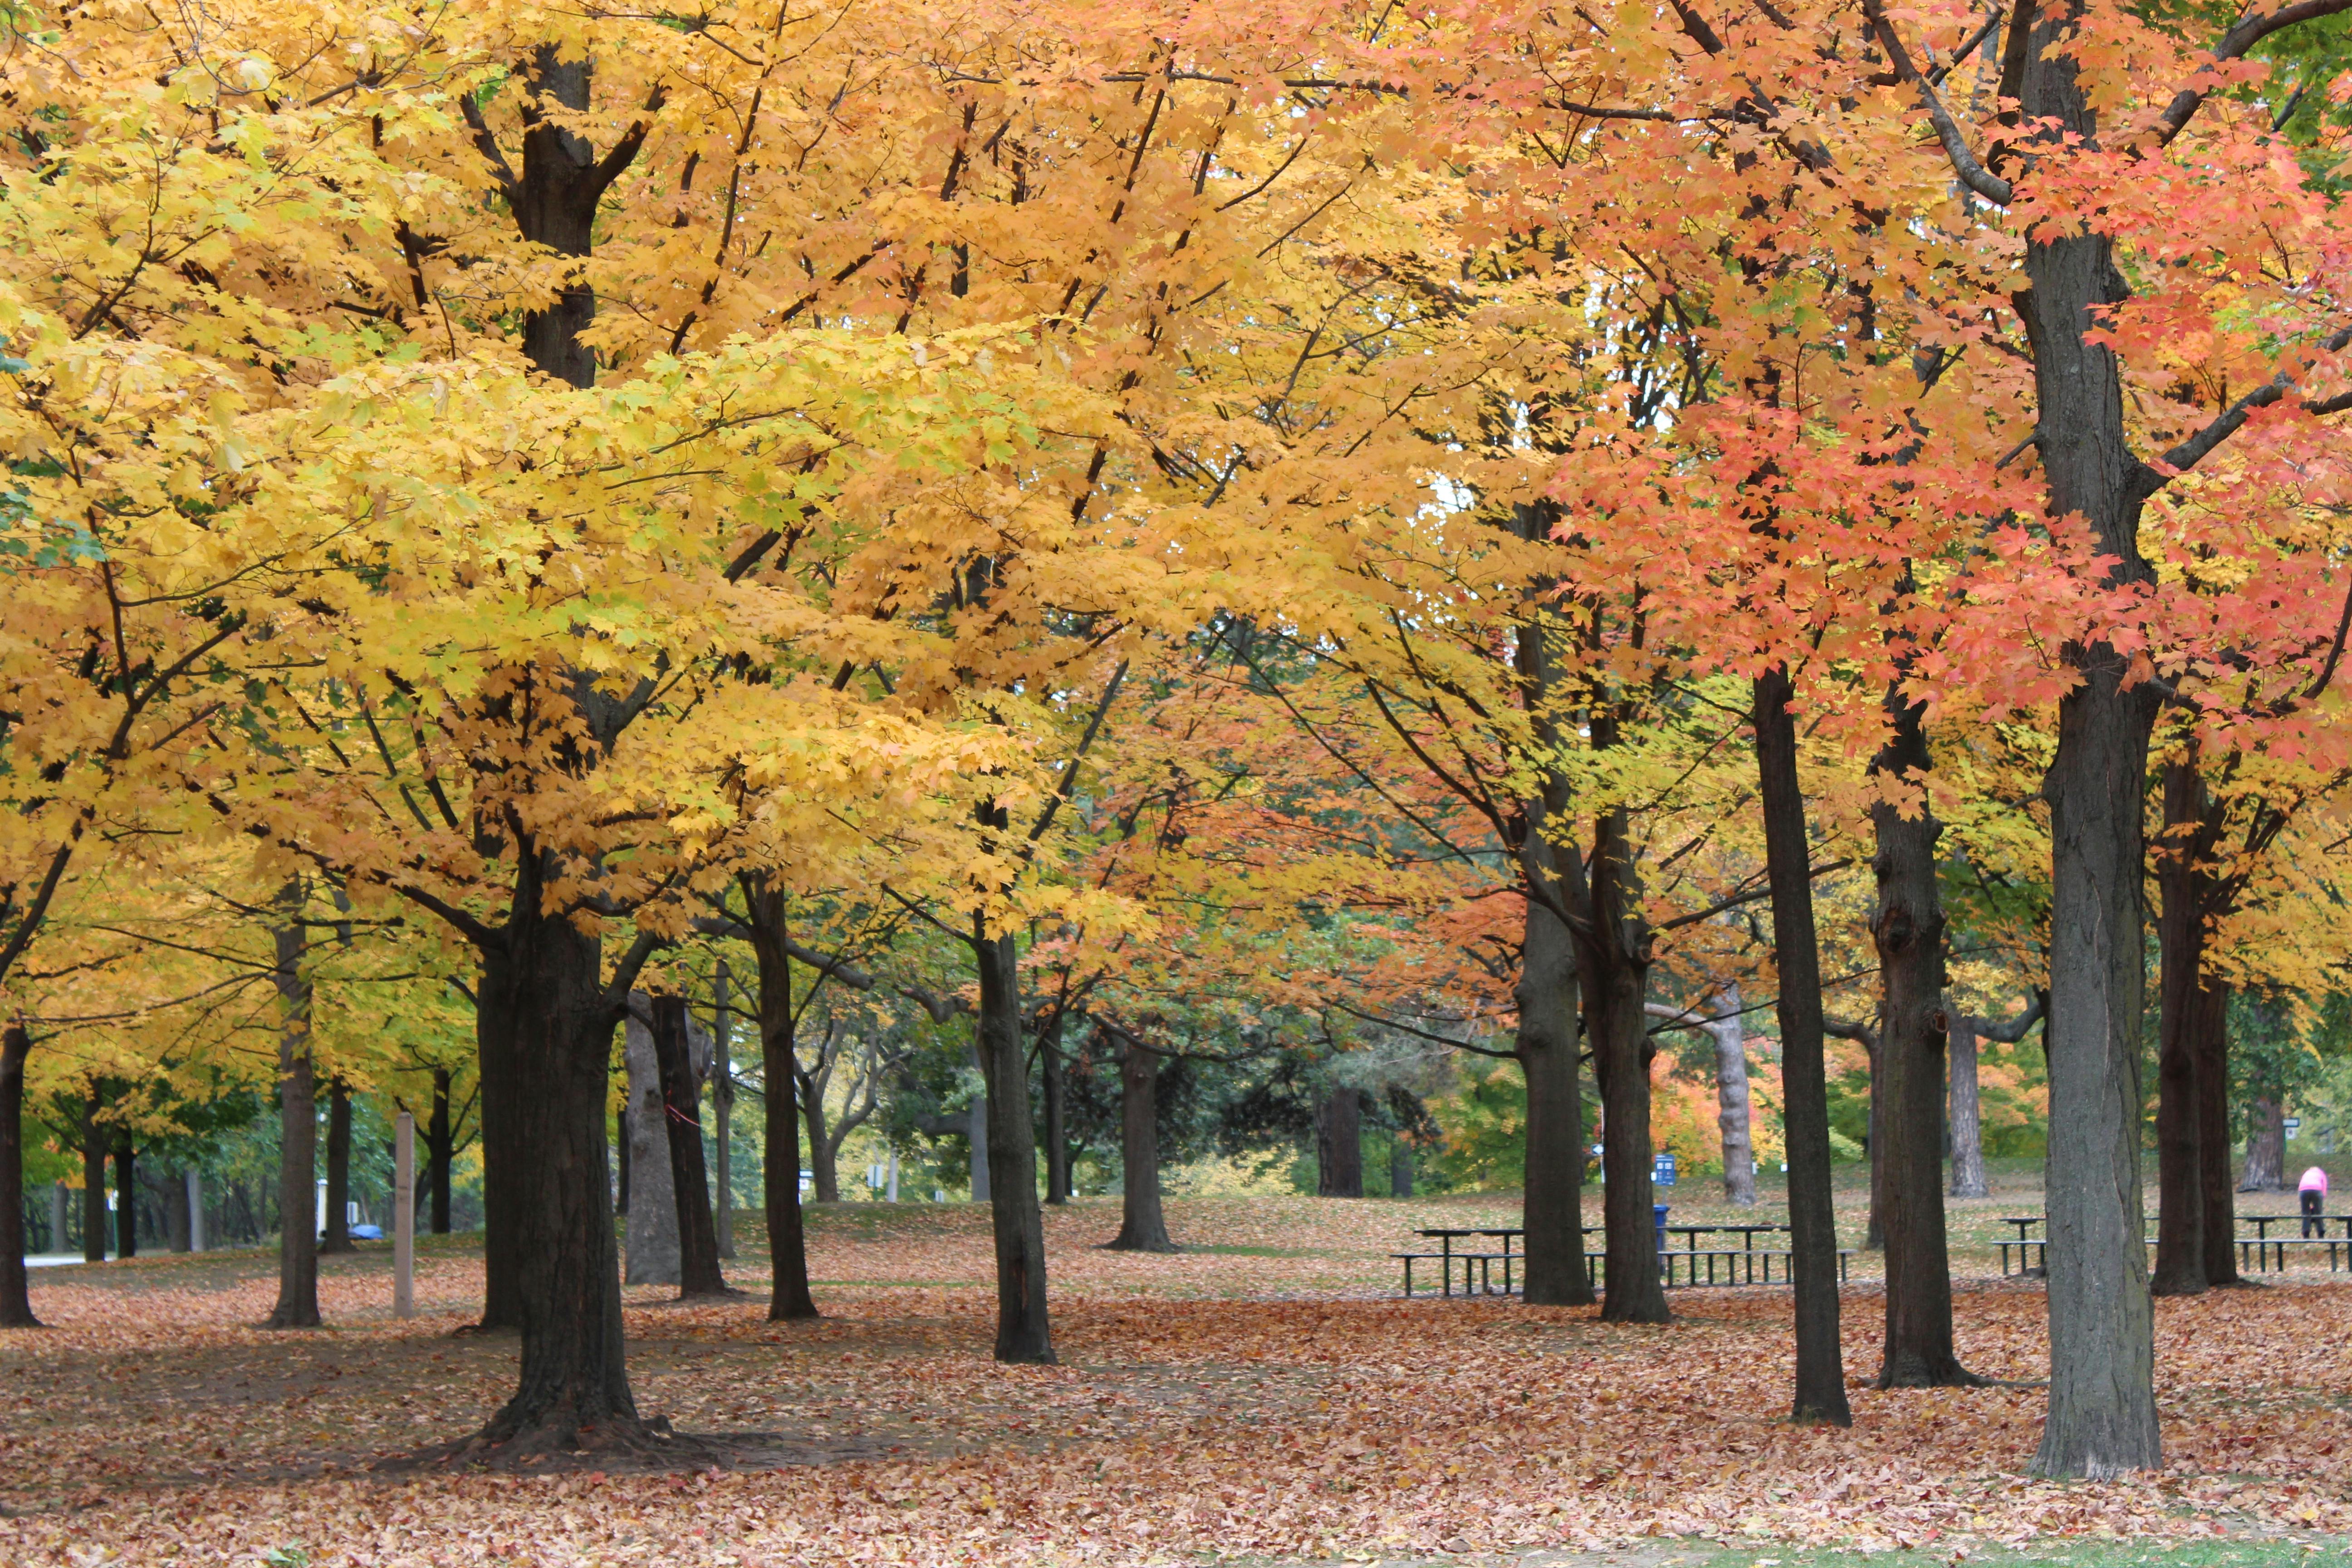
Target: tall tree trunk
[2102,1415]
[194,1199]
[1726,1027]
[697,1249]
[60,1202]
[1339,1144]
[2180,942]
[1401,1165]
[1058,1133]
[1022,1334]
[824,1173]
[441,1151]
[722,1111]
[780,1165]
[2213,1157]
[1550,989]
[1967,1113]
[16,1299]
[337,1235]
[1552,1177]
[126,1194]
[298,1135]
[172,1191]
[1908,929]
[1143,1227]
[2267,1148]
[94,1142]
[653,1247]
[1820,1394]
[1614,969]
[573,1388]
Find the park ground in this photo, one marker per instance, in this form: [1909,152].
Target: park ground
[1263,1399]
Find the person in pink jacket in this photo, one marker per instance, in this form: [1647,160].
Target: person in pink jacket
[2314,1192]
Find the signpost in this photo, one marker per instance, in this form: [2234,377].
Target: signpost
[404,1216]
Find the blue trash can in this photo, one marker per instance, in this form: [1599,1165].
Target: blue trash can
[1658,1213]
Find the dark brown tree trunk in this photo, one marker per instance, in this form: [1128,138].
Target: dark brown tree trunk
[2102,1414]
[697,1239]
[1057,1135]
[2180,943]
[1820,1394]
[1553,1174]
[2213,1159]
[441,1151]
[1908,929]
[573,1388]
[1967,1113]
[2265,1147]
[1339,1144]
[1022,1333]
[779,1168]
[298,1137]
[1142,1226]
[94,1143]
[337,1236]
[16,1299]
[1400,1166]
[1613,969]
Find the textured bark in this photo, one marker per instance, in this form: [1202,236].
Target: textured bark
[1339,1144]
[654,1249]
[825,1173]
[1142,1226]
[1967,1108]
[297,1140]
[60,1202]
[2265,1147]
[440,1151]
[1907,928]
[1552,1180]
[2213,1160]
[1726,1027]
[1820,1394]
[93,1180]
[1399,1166]
[574,1387]
[336,1234]
[2180,942]
[1022,1333]
[1549,990]
[2101,1412]
[780,1174]
[16,1300]
[1614,969]
[698,1270]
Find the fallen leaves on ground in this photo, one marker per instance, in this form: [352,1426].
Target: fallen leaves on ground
[152,1425]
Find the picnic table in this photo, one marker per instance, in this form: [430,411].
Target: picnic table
[1747,1264]
[2261,1251]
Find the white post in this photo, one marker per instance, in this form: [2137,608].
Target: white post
[404,1216]
[894,1176]
[195,1211]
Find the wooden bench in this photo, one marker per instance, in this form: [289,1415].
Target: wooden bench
[1477,1270]
[2038,1252]
[1738,1266]
[1680,1267]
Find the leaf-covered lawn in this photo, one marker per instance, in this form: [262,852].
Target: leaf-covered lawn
[1322,1419]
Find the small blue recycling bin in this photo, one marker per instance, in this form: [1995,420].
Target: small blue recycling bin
[1658,1212]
